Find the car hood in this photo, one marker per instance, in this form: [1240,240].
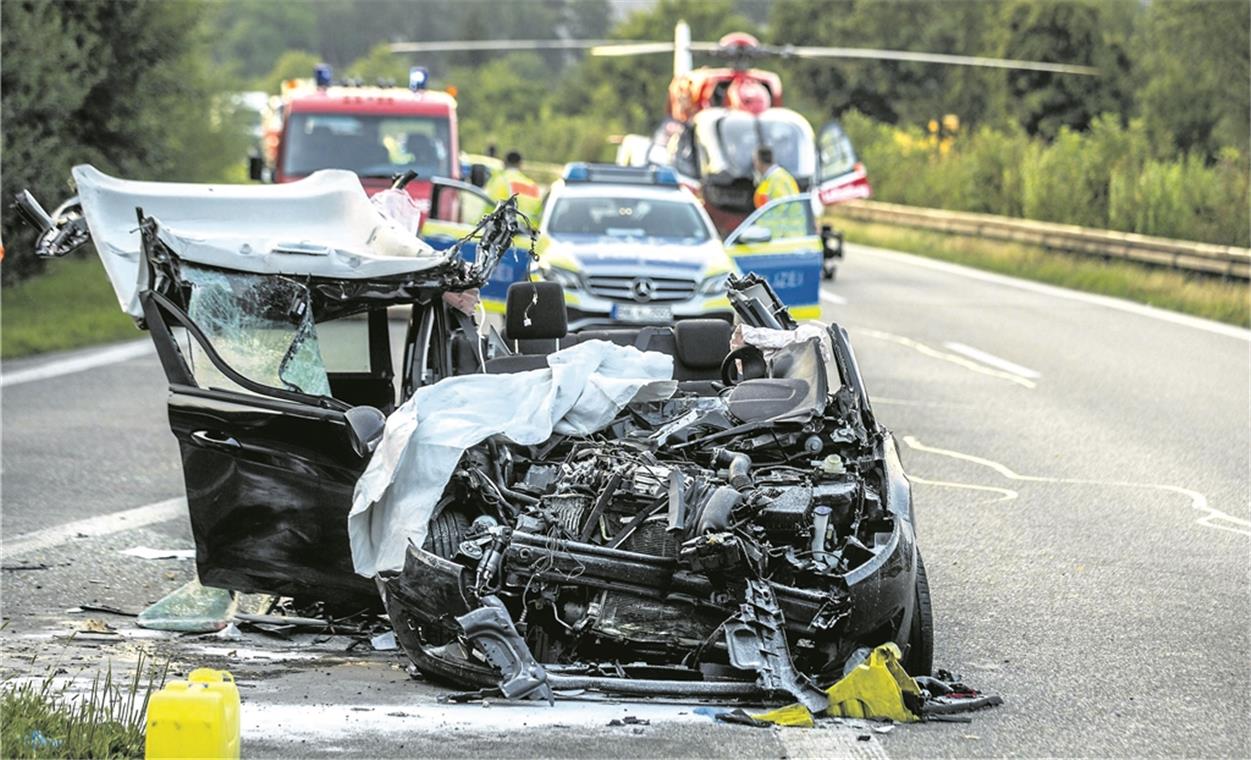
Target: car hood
[321,226]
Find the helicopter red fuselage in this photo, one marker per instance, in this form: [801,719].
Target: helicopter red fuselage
[726,87]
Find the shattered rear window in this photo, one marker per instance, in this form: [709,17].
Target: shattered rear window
[261,327]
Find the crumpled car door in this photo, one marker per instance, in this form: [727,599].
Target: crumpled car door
[269,478]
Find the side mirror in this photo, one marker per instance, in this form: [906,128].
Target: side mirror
[256,168]
[365,425]
[478,175]
[755,234]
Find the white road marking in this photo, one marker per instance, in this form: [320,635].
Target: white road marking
[932,352]
[271,722]
[1005,494]
[1212,517]
[1207,325]
[977,354]
[132,350]
[888,401]
[102,525]
[833,298]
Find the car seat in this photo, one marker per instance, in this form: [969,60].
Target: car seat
[535,324]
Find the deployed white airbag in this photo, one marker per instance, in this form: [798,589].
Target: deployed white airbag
[583,389]
[321,226]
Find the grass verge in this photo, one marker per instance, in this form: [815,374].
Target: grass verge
[69,306]
[46,720]
[1208,297]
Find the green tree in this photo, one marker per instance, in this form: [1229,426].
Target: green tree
[1195,61]
[887,91]
[124,85]
[292,64]
[379,64]
[1084,32]
[251,34]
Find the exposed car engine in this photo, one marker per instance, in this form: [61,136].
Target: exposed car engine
[694,541]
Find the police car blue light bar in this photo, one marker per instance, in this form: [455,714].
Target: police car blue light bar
[323,75]
[417,78]
[622,175]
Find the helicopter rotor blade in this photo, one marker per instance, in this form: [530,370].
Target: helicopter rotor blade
[471,46]
[614,49]
[940,58]
[618,48]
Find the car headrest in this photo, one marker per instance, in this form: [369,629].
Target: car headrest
[536,310]
[702,343]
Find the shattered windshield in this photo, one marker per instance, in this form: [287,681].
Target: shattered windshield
[261,327]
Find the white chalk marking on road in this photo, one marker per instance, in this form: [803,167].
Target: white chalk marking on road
[833,298]
[1207,325]
[1005,494]
[102,525]
[976,354]
[132,350]
[932,352]
[889,401]
[1212,518]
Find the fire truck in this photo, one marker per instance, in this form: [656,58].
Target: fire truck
[377,132]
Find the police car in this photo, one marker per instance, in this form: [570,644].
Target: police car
[630,244]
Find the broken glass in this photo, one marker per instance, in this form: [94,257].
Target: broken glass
[260,325]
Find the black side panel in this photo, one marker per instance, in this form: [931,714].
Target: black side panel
[269,484]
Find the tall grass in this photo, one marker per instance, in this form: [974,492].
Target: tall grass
[46,720]
[71,305]
[1110,177]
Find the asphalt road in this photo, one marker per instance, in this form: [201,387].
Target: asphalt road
[1082,489]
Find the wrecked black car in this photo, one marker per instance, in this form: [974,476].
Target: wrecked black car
[747,531]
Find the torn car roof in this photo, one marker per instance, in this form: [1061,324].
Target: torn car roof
[320,226]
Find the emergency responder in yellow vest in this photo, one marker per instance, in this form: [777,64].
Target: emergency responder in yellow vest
[510,182]
[775,182]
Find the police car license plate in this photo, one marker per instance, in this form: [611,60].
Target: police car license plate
[629,312]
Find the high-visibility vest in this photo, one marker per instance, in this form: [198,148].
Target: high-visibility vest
[777,183]
[511,182]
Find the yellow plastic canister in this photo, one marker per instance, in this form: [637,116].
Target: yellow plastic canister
[197,718]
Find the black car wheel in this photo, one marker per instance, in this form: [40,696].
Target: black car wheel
[447,530]
[920,658]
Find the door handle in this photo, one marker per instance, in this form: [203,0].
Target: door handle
[215,440]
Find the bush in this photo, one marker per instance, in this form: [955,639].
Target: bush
[1109,177]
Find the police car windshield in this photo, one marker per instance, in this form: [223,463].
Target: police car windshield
[371,146]
[628,218]
[740,134]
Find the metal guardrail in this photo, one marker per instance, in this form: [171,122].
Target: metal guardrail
[1182,255]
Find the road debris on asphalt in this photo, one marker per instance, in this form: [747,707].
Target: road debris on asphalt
[191,608]
[145,552]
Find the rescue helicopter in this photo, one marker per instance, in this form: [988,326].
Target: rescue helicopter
[718,115]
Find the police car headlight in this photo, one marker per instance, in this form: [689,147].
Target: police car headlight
[715,284]
[566,278]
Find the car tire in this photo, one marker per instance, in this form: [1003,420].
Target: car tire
[447,530]
[920,658]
